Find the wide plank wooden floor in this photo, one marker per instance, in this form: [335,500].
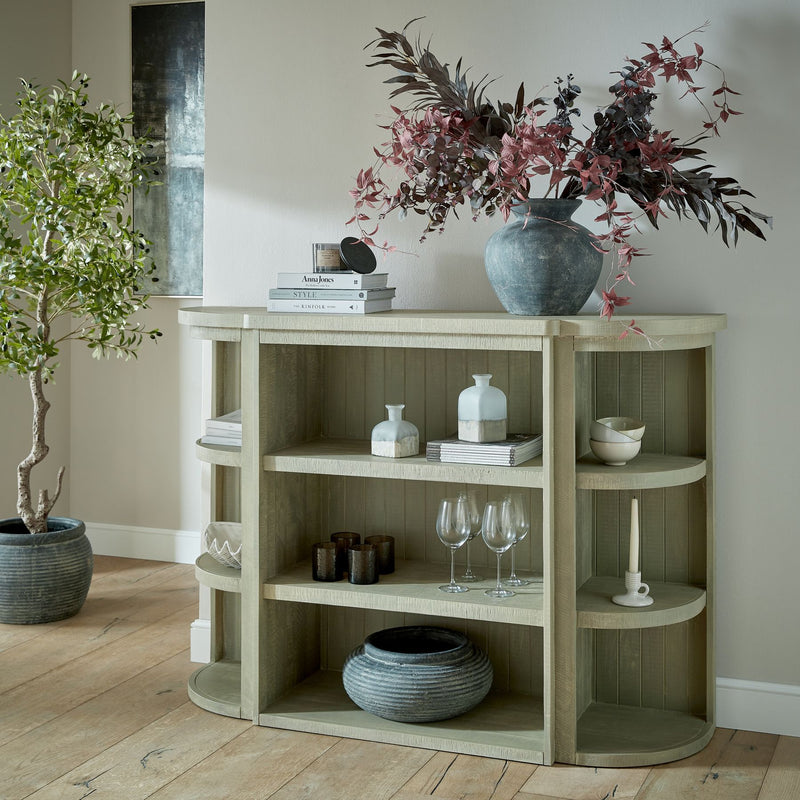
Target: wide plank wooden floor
[96,706]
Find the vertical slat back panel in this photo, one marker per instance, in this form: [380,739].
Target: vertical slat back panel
[697,403]
[629,681]
[334,395]
[514,650]
[653,532]
[355,394]
[677,533]
[436,391]
[414,389]
[676,402]
[358,382]
[657,667]
[653,402]
[653,667]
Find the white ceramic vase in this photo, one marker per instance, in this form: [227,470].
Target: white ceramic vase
[482,412]
[395,437]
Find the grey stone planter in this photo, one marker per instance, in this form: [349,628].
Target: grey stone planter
[417,674]
[542,263]
[44,577]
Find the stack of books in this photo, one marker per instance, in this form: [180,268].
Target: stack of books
[331,293]
[515,450]
[226,429]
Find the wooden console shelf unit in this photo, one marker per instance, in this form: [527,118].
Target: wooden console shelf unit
[578,679]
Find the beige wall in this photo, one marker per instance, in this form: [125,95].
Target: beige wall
[291,115]
[34,44]
[133,423]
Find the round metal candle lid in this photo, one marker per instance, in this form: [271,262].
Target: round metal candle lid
[356,255]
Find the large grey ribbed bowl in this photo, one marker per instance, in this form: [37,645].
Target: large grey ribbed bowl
[417,674]
[44,577]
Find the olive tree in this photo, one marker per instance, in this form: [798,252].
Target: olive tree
[72,265]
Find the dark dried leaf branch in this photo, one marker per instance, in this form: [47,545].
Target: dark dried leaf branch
[454,149]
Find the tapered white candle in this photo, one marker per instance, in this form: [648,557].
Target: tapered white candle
[633,560]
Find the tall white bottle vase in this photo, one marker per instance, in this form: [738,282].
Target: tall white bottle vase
[482,412]
[395,437]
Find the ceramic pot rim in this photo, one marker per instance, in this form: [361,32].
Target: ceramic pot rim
[59,529]
[446,644]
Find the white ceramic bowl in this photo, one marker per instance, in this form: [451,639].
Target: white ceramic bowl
[615,454]
[223,540]
[616,429]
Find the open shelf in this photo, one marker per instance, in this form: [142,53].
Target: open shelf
[646,471]
[505,725]
[615,736]
[217,687]
[672,603]
[221,455]
[578,679]
[352,458]
[209,572]
[412,588]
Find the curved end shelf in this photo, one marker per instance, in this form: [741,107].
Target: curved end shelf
[209,572]
[217,687]
[673,603]
[626,736]
[646,471]
[220,454]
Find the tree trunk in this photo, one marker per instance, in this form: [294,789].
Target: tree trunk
[35,519]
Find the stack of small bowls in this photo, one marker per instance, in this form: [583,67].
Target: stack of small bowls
[616,440]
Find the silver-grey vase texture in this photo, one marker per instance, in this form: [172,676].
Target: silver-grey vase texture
[542,263]
[417,674]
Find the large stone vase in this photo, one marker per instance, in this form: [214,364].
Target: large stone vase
[542,263]
[44,577]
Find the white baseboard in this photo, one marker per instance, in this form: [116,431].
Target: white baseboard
[200,641]
[156,544]
[756,706]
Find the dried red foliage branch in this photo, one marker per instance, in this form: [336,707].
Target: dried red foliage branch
[453,149]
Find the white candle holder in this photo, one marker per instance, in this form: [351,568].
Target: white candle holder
[634,596]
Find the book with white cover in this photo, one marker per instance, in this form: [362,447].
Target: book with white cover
[515,450]
[332,294]
[232,421]
[330,306]
[332,280]
[229,441]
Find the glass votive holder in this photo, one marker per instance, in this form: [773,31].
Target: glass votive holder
[344,540]
[385,547]
[362,564]
[324,564]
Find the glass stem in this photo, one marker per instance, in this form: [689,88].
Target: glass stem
[452,566]
[499,587]
[469,567]
[513,567]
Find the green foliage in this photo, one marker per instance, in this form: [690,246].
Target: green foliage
[68,247]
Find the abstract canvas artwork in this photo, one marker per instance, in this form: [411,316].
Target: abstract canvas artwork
[168,54]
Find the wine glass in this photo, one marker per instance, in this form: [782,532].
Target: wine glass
[522,523]
[452,528]
[499,532]
[474,515]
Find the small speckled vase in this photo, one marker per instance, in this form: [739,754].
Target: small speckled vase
[542,263]
[395,437]
[482,412]
[417,674]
